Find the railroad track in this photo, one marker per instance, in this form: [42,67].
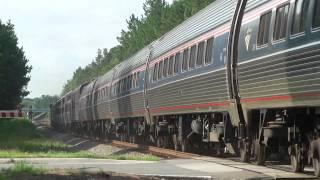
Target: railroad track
[224,161]
[156,150]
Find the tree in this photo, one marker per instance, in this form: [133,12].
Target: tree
[159,17]
[14,68]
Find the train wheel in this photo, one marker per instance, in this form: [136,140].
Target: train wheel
[244,155]
[297,159]
[159,142]
[184,146]
[296,164]
[175,142]
[316,166]
[165,141]
[132,139]
[315,150]
[260,153]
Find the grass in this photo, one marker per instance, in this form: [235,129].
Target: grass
[20,139]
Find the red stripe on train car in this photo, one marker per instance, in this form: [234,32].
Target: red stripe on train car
[280,97]
[192,106]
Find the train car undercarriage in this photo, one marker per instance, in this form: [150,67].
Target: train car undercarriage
[292,133]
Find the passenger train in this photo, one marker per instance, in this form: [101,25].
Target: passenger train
[182,92]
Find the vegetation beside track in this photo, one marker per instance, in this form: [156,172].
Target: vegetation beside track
[21,139]
[22,170]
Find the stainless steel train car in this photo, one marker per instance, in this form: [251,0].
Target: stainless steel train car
[183,92]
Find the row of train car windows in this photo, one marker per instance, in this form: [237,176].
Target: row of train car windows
[282,15]
[102,93]
[194,56]
[126,84]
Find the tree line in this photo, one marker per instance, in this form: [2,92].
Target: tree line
[42,102]
[159,17]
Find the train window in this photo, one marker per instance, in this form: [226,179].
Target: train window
[185,59]
[200,53]
[193,55]
[125,84]
[209,51]
[170,69]
[280,29]
[128,83]
[131,80]
[316,15]
[134,80]
[137,79]
[160,70]
[121,86]
[176,63]
[155,72]
[264,29]
[299,16]
[118,88]
[165,68]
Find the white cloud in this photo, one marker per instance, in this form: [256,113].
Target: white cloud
[60,35]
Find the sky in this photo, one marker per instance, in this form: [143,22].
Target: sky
[60,35]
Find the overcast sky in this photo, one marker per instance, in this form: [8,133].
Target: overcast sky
[60,35]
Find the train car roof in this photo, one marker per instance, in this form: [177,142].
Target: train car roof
[106,78]
[86,87]
[133,62]
[214,15]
